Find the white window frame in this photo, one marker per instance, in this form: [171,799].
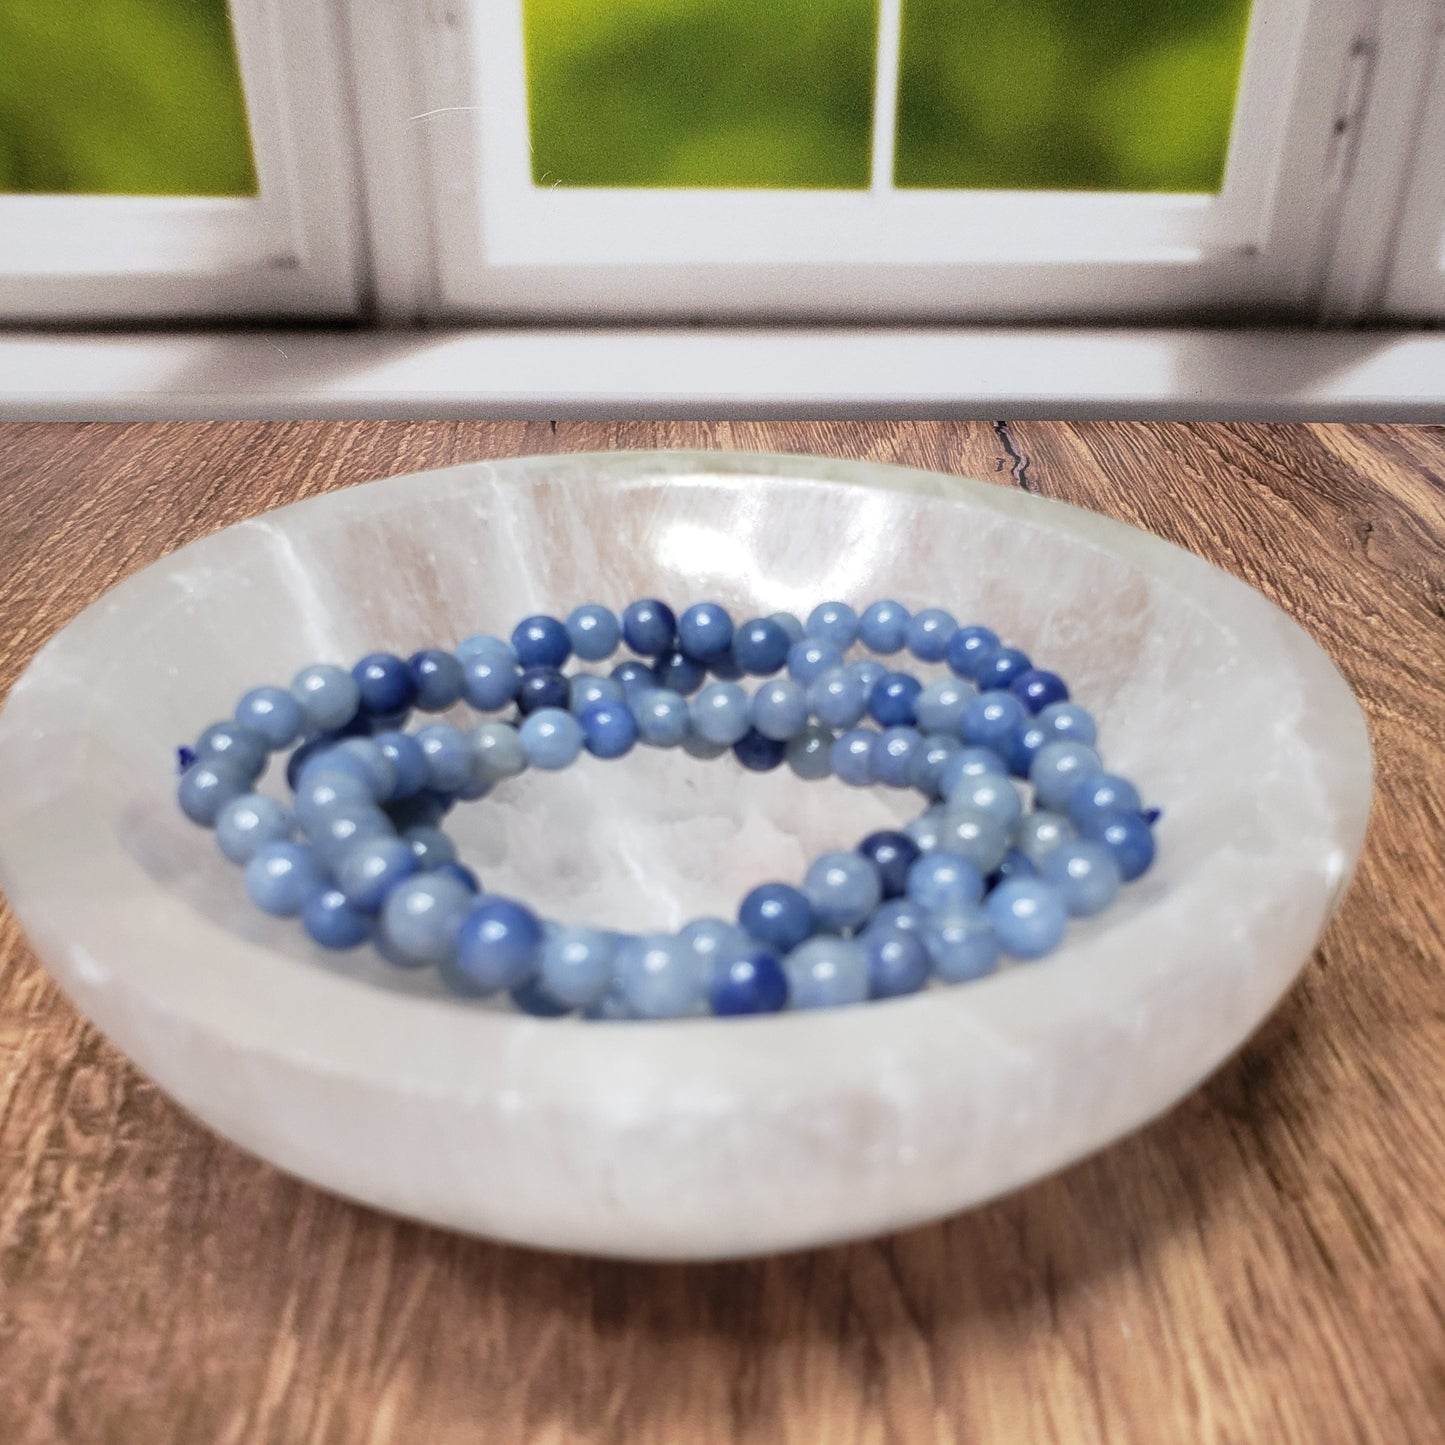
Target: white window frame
[291,250]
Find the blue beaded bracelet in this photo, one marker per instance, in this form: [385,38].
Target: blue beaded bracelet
[990,871]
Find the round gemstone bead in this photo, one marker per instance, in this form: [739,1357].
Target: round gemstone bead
[713,942]
[281,876]
[811,658]
[541,641]
[497,751]
[808,753]
[340,829]
[1000,670]
[752,982]
[679,673]
[429,845]
[498,946]
[634,677]
[369,871]
[929,634]
[490,681]
[1068,722]
[249,822]
[704,631]
[1085,874]
[328,696]
[551,738]
[1037,688]
[760,647]
[700,747]
[940,705]
[658,976]
[990,793]
[484,644]
[1099,794]
[791,626]
[851,757]
[408,763]
[385,683]
[892,854]
[834,622]
[1129,839]
[892,702]
[868,671]
[897,962]
[586,688]
[973,834]
[893,752]
[842,889]
[900,912]
[720,713]
[322,792]
[777,915]
[941,880]
[1024,745]
[332,922]
[1014,865]
[448,754]
[929,762]
[437,678]
[759,754]
[991,719]
[1040,832]
[593,631]
[826,972]
[207,786]
[836,698]
[272,712]
[883,628]
[420,918]
[779,709]
[1057,769]
[576,964]
[960,942]
[969,649]
[238,746]
[1028,916]
[609,729]
[368,760]
[663,719]
[649,627]
[969,762]
[542,687]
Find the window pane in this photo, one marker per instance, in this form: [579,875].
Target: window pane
[121,97]
[700,92]
[1124,95]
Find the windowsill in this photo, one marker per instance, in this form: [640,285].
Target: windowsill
[1054,372]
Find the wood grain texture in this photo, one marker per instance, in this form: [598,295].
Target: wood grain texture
[1266,1263]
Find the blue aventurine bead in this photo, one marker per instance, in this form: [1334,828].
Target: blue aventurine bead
[576,964]
[900,912]
[437,676]
[662,717]
[759,754]
[1040,832]
[274,713]
[206,787]
[714,942]
[497,751]
[929,634]
[679,673]
[483,644]
[586,688]
[609,729]
[429,845]
[826,972]
[460,873]
[940,706]
[926,771]
[842,889]
[883,628]
[1129,839]
[942,879]
[760,647]
[720,713]
[791,626]
[541,641]
[868,671]
[961,943]
[332,921]
[779,709]
[249,822]
[1085,874]
[1057,769]
[969,762]
[498,945]
[551,738]
[420,919]
[1002,668]
[448,754]
[240,747]
[990,793]
[1068,722]
[991,720]
[490,680]
[811,658]
[704,631]
[892,854]
[370,870]
[808,753]
[897,962]
[851,757]
[893,753]
[1028,916]
[969,649]
[649,627]
[658,976]
[778,915]
[1098,794]
[837,698]
[634,677]
[593,631]
[752,983]
[281,876]
[542,687]
[1036,688]
[1014,865]
[892,701]
[328,696]
[384,682]
[834,622]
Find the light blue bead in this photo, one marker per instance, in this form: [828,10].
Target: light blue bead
[942,879]
[274,713]
[236,745]
[970,762]
[975,835]
[331,762]
[318,794]
[842,888]
[332,921]
[926,830]
[714,943]
[497,751]
[484,644]
[490,680]
[1068,721]
[929,632]
[576,966]
[704,631]
[961,943]
[837,698]
[663,718]
[779,709]
[206,787]
[420,919]
[448,753]
[990,793]
[371,869]
[1028,916]
[1058,767]
[407,760]
[1085,874]
[498,946]
[249,822]
[794,629]
[834,622]
[1040,832]
[702,748]
[720,713]
[810,659]
[337,831]
[609,729]
[898,964]
[1099,795]
[593,631]
[328,696]
[808,753]
[429,845]
[658,976]
[378,769]
[939,707]
[893,752]
[883,628]
[281,876]
[826,972]
[991,719]
[928,764]
[551,738]
[901,913]
[585,689]
[851,757]
[867,671]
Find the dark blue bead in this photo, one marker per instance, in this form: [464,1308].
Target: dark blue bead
[609,729]
[724,667]
[1014,865]
[897,961]
[649,627]
[532,998]
[385,683]
[759,754]
[891,701]
[541,641]
[332,921]
[1131,841]
[760,647]
[1000,670]
[1037,688]
[777,914]
[461,873]
[679,673]
[499,945]
[752,984]
[968,649]
[893,854]
[438,678]
[542,687]
[704,631]
[1023,744]
[635,677]
[1098,796]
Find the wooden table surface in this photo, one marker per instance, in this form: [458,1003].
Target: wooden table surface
[1266,1263]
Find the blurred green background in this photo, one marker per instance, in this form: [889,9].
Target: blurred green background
[121,97]
[1052,94]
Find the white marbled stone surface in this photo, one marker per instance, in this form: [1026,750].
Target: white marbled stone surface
[699,1138]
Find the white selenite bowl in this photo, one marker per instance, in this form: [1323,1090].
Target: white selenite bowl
[699,1138]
